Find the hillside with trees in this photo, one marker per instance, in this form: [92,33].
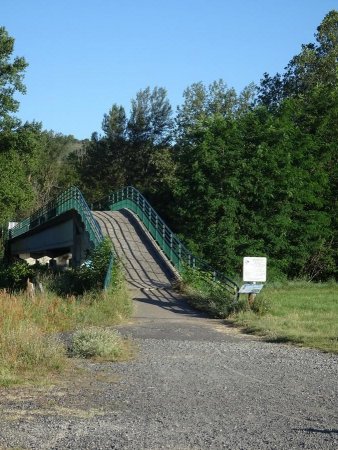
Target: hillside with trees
[235,174]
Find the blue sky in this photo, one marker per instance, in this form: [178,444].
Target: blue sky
[85,55]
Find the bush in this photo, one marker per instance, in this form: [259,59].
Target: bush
[88,277]
[207,295]
[14,276]
[76,281]
[97,343]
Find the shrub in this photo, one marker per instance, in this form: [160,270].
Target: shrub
[207,295]
[90,276]
[96,342]
[14,276]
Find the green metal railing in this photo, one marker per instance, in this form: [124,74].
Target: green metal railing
[109,274]
[71,199]
[173,248]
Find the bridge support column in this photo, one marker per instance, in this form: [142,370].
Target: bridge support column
[81,245]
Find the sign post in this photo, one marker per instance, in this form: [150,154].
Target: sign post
[254,271]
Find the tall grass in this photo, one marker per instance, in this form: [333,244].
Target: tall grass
[207,295]
[300,312]
[23,343]
[26,326]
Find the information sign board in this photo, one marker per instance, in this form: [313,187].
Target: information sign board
[254,268]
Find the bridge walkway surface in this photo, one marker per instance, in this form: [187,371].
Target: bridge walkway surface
[149,276]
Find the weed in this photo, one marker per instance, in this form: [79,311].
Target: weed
[24,348]
[261,304]
[99,343]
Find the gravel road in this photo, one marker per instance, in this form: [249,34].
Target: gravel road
[194,384]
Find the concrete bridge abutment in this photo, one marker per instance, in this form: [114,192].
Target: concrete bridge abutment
[66,234]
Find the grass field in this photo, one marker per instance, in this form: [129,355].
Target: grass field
[27,349]
[303,313]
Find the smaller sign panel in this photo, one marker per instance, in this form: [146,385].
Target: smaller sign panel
[254,268]
[251,288]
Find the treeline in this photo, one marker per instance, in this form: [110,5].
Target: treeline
[236,175]
[249,174]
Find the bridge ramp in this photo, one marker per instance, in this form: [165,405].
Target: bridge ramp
[142,261]
[148,274]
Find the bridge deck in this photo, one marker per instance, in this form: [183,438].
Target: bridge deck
[143,266]
[148,275]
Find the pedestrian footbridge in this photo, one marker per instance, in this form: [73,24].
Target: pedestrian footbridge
[151,254]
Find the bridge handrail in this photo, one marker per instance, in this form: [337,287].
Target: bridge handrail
[173,248]
[71,199]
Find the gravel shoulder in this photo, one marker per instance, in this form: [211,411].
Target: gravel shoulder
[194,384]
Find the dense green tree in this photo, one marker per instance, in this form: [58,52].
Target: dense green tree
[52,172]
[101,167]
[128,150]
[36,159]
[16,196]
[315,66]
[201,101]
[11,79]
[264,182]
[150,118]
[149,129]
[206,187]
[114,124]
[258,185]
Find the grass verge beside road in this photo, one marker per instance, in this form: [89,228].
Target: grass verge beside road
[300,312]
[27,349]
